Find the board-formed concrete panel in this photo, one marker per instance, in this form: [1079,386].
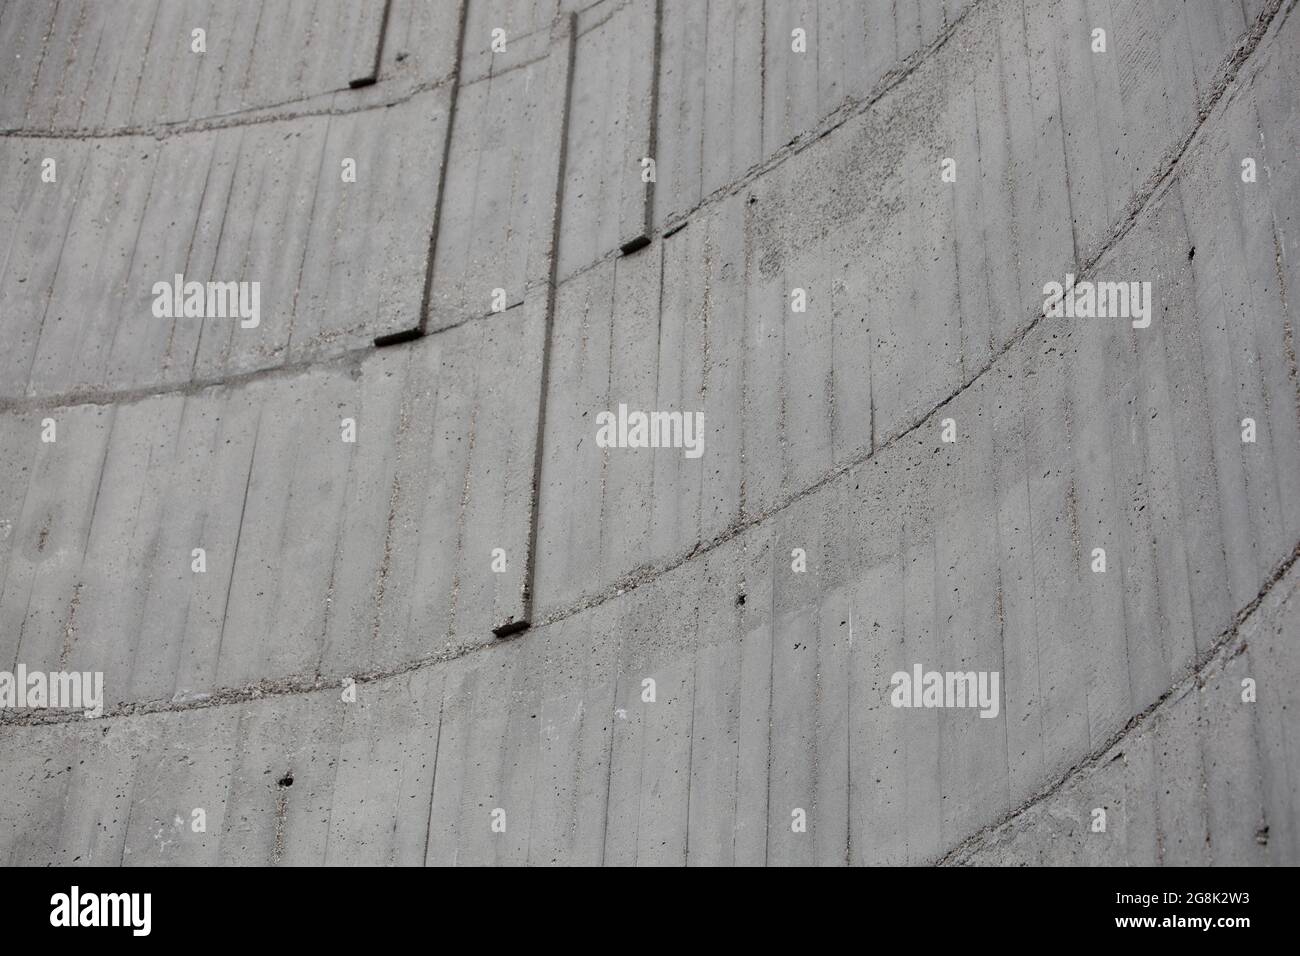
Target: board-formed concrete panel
[321,555]
[144,63]
[374,580]
[338,261]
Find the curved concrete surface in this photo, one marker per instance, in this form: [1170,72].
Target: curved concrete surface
[366,580]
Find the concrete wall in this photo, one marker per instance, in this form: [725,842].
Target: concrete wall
[351,680]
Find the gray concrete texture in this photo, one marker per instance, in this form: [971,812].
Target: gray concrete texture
[337,570]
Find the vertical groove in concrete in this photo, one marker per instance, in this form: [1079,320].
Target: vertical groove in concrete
[539,295]
[642,110]
[423,318]
[366,55]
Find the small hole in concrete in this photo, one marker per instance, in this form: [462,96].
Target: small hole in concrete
[1191,253]
[285,781]
[740,599]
